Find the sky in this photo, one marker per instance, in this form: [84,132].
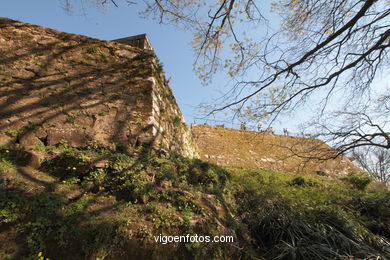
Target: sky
[172,46]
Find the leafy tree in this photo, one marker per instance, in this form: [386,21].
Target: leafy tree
[322,49]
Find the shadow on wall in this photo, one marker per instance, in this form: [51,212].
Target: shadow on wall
[56,86]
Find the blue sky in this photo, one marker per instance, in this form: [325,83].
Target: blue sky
[172,46]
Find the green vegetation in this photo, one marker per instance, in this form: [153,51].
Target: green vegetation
[359,180]
[92,50]
[312,217]
[103,114]
[145,197]
[6,164]
[13,133]
[98,202]
[176,121]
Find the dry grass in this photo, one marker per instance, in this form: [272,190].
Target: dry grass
[236,148]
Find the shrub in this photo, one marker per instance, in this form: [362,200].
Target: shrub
[120,162]
[298,181]
[375,212]
[5,165]
[12,156]
[207,175]
[358,180]
[97,238]
[301,181]
[135,190]
[92,49]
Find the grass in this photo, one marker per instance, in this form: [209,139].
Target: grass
[311,217]
[236,148]
[114,210]
[6,165]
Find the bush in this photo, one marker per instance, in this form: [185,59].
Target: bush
[135,190]
[12,156]
[275,215]
[207,175]
[375,212]
[358,180]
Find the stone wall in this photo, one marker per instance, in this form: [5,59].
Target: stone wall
[140,41]
[58,87]
[171,129]
[247,149]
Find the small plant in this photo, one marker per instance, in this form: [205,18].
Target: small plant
[298,181]
[99,237]
[71,165]
[176,121]
[31,126]
[160,67]
[95,49]
[63,145]
[5,165]
[41,256]
[13,133]
[186,205]
[95,180]
[169,96]
[92,49]
[71,120]
[104,54]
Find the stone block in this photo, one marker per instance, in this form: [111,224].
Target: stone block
[75,137]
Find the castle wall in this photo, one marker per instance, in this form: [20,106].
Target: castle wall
[172,131]
[56,86]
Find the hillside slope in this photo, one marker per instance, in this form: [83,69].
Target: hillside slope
[75,208]
[247,149]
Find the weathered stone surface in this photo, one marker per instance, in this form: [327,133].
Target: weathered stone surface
[35,159]
[29,139]
[80,89]
[75,137]
[5,140]
[100,163]
[125,54]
